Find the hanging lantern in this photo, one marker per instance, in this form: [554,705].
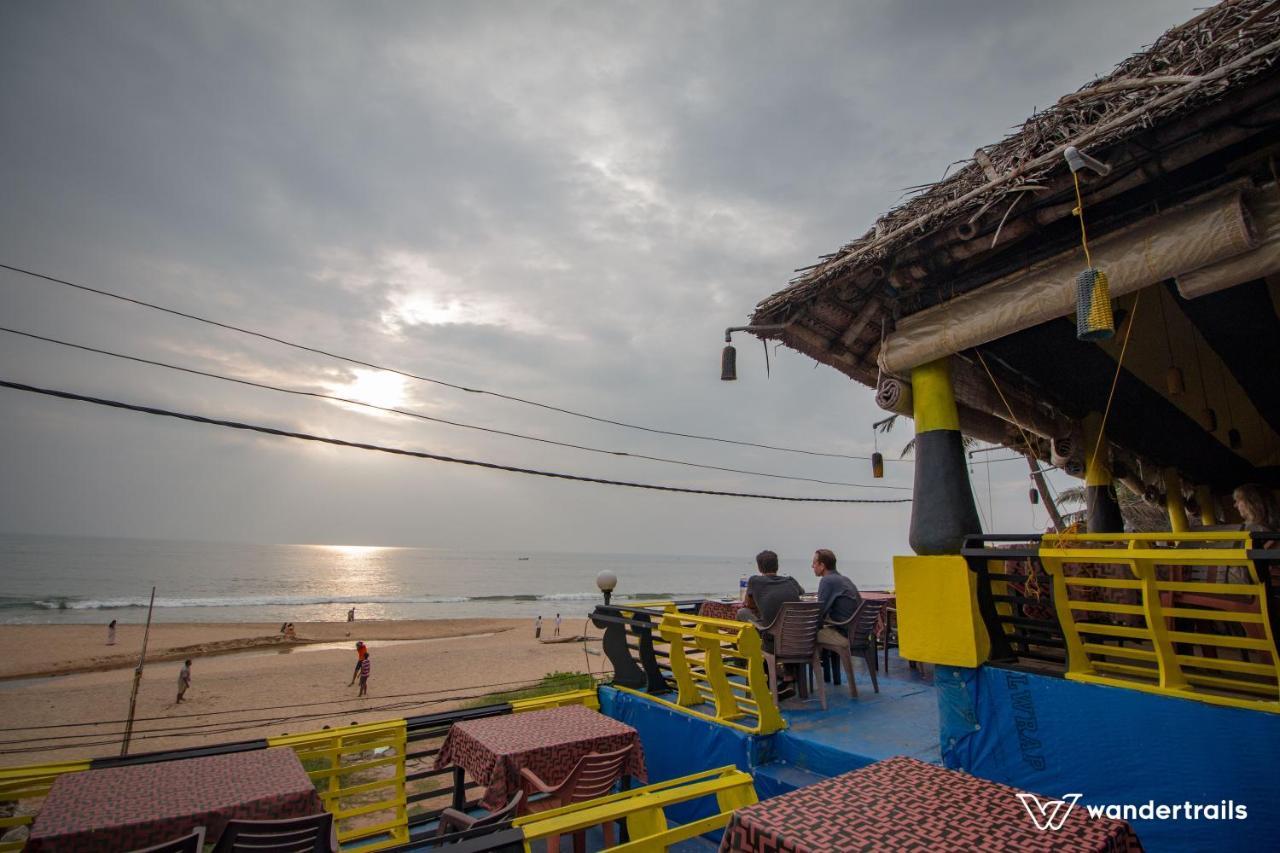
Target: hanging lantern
[729,364]
[1210,419]
[1233,439]
[877,465]
[1033,496]
[1173,381]
[1094,321]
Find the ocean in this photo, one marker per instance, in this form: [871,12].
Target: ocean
[54,579]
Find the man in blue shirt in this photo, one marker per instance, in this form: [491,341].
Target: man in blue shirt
[837,594]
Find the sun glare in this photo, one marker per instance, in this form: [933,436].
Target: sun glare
[375,387]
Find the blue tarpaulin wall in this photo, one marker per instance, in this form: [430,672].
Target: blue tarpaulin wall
[677,744]
[1116,746]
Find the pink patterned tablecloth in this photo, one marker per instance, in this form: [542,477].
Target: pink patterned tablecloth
[905,804]
[127,808]
[494,749]
[719,609]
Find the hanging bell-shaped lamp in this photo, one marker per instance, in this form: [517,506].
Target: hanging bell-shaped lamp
[1234,441]
[1210,418]
[1033,496]
[877,465]
[1173,381]
[729,363]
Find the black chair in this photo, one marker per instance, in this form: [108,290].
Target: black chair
[193,843]
[454,821]
[310,834]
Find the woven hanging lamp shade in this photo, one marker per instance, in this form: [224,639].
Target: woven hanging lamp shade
[1094,321]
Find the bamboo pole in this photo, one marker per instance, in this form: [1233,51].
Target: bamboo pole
[137,678]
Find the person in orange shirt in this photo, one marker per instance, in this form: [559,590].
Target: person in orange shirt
[362,652]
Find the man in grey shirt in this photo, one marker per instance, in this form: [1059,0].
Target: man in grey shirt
[767,592]
[837,594]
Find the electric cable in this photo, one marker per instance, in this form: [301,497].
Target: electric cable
[424,417]
[418,454]
[360,363]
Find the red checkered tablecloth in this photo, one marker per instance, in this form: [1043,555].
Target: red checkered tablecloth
[492,750]
[905,804]
[126,808]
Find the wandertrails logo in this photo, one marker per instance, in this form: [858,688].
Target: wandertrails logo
[1052,814]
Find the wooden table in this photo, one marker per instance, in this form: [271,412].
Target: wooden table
[494,749]
[126,808]
[905,804]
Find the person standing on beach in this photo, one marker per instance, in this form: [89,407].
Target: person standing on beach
[557,624]
[111,633]
[362,654]
[365,668]
[351,615]
[184,680]
[537,627]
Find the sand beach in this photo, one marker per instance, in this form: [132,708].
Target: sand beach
[64,693]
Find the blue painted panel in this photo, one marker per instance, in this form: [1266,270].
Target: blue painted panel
[1117,746]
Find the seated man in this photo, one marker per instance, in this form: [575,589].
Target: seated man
[767,592]
[837,594]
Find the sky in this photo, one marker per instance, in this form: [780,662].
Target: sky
[564,202]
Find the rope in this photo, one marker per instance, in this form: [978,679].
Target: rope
[1025,438]
[1115,379]
[1079,211]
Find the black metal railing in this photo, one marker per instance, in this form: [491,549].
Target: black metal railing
[1015,598]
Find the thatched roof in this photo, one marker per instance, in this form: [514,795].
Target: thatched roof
[1193,115]
[1185,71]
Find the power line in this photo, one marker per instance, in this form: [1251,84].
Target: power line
[418,454]
[266,337]
[424,417]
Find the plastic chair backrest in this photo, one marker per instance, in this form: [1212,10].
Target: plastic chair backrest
[795,631]
[310,834]
[593,776]
[864,621]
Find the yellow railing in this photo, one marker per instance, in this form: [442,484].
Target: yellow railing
[359,774]
[719,673]
[588,698]
[21,785]
[1136,608]
[644,810]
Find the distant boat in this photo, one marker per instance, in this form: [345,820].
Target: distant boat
[522,558]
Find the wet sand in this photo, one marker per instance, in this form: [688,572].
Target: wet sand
[248,682]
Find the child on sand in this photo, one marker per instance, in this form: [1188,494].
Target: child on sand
[111,633]
[365,667]
[184,680]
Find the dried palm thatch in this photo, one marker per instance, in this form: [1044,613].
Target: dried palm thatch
[1187,68]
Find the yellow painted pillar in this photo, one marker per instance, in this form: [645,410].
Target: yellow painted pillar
[942,507]
[1173,501]
[1208,509]
[1102,511]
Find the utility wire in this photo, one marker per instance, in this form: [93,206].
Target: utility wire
[424,417]
[264,336]
[418,454]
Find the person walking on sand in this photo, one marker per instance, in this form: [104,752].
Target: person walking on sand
[362,654]
[365,668]
[557,624]
[537,627]
[351,615]
[111,633]
[184,680]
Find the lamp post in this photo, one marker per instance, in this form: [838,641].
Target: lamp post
[606,580]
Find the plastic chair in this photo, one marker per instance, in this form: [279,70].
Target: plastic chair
[193,843]
[593,776]
[452,820]
[795,641]
[310,834]
[861,628]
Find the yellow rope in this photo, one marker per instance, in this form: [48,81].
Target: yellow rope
[1025,439]
[1102,429]
[1079,211]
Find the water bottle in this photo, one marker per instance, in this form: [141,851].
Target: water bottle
[742,588]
